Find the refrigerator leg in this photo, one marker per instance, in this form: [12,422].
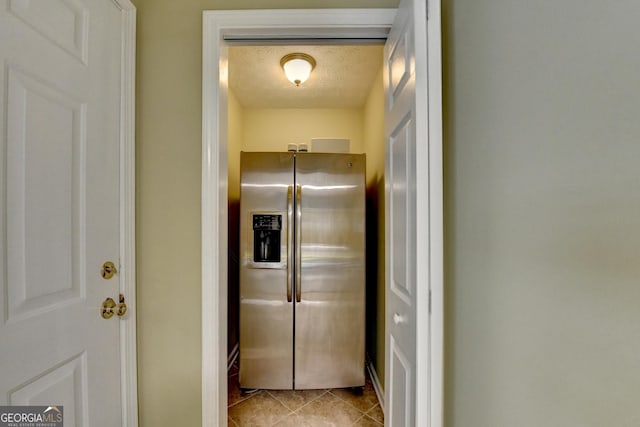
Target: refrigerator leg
[358,391]
[247,391]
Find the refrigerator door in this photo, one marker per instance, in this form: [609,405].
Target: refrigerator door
[330,313]
[266,275]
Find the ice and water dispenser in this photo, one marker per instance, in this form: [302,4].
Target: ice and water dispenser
[266,237]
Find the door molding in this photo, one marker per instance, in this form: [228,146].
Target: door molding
[431,349]
[219,27]
[128,342]
[414,110]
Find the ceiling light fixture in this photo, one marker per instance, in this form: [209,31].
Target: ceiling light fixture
[297,67]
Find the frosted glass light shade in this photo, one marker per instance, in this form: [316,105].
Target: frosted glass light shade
[297,67]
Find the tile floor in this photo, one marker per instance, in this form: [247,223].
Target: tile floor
[298,408]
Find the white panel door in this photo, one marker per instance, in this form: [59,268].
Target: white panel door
[60,104]
[410,230]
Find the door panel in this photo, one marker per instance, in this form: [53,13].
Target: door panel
[266,313]
[43,169]
[329,333]
[65,384]
[403,288]
[401,373]
[64,23]
[60,133]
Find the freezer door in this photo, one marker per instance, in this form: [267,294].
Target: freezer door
[266,275]
[329,331]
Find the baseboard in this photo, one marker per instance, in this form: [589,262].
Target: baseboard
[233,355]
[376,383]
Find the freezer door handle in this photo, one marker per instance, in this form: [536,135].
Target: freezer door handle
[289,243]
[298,242]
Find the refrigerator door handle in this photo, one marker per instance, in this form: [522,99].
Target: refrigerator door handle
[290,244]
[298,242]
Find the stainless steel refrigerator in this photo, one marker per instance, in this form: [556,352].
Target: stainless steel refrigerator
[302,270]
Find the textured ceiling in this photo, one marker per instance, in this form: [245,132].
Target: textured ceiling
[342,78]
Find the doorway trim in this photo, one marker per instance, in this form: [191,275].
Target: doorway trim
[128,324]
[218,28]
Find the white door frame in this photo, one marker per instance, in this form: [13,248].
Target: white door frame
[128,341]
[219,26]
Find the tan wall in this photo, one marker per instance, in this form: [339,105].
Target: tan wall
[542,101]
[373,125]
[168,165]
[235,134]
[542,233]
[273,129]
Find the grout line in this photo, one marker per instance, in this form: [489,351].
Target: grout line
[358,420]
[282,419]
[313,400]
[373,419]
[366,417]
[278,400]
[249,396]
[355,423]
[296,410]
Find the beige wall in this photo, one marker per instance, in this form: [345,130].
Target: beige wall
[373,128]
[373,131]
[235,141]
[273,129]
[542,108]
[168,162]
[235,134]
[542,233]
